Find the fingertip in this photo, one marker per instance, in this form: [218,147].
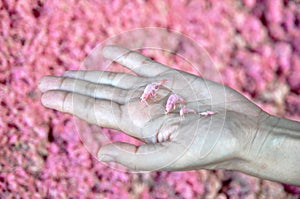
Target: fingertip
[45,99]
[146,157]
[41,84]
[47,83]
[106,50]
[53,99]
[113,52]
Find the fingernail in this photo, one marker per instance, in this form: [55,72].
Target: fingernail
[106,158]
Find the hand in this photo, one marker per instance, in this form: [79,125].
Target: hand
[171,142]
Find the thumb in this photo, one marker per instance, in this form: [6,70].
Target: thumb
[145,157]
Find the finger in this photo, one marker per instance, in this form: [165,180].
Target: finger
[121,80]
[135,61]
[147,157]
[89,89]
[101,112]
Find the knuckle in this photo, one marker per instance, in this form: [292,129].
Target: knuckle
[111,76]
[123,94]
[67,102]
[125,57]
[147,61]
[63,83]
[90,87]
[89,106]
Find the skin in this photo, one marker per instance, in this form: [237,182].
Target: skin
[241,136]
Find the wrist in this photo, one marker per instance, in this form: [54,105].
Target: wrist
[274,150]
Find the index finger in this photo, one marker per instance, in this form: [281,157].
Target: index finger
[135,61]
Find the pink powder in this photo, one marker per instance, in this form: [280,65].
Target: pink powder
[254,44]
[274,11]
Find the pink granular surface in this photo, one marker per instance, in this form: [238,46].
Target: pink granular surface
[254,43]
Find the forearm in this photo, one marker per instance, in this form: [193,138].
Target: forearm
[275,152]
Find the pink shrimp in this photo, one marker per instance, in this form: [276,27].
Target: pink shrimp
[151,90]
[185,110]
[207,113]
[173,100]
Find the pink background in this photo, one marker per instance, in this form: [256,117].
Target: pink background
[255,45]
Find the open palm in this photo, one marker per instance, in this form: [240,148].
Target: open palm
[172,142]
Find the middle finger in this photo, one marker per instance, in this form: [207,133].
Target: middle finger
[121,80]
[99,91]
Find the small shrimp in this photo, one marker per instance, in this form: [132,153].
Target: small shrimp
[151,90]
[185,110]
[207,113]
[173,100]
